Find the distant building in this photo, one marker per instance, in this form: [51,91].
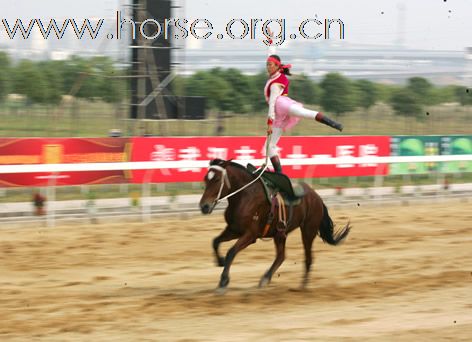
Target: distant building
[379,63]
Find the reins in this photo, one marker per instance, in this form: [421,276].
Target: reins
[226,179]
[277,200]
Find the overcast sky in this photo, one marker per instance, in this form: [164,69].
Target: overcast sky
[425,24]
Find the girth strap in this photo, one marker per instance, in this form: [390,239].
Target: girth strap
[282,212]
[277,201]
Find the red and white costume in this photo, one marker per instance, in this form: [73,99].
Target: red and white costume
[276,95]
[284,112]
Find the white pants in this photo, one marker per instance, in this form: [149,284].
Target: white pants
[295,110]
[273,140]
[302,112]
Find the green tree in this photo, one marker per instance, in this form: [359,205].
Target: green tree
[338,94]
[257,98]
[5,72]
[111,85]
[241,89]
[304,90]
[367,93]
[405,103]
[422,89]
[386,91]
[30,81]
[442,95]
[213,87]
[52,73]
[71,74]
[83,78]
[463,95]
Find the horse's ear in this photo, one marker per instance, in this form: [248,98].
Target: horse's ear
[215,161]
[220,162]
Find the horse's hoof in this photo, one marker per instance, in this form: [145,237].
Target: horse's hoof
[264,282]
[223,282]
[221,262]
[221,290]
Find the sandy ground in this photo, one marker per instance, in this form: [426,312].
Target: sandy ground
[405,273]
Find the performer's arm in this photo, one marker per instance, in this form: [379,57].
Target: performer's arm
[272,49]
[276,90]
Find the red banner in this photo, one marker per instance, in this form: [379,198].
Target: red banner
[58,151]
[245,148]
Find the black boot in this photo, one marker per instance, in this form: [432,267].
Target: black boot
[327,121]
[276,164]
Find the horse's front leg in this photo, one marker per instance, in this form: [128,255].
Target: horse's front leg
[226,235]
[279,241]
[242,243]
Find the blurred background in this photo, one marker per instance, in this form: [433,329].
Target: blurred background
[388,69]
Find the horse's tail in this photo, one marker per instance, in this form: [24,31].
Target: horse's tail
[327,232]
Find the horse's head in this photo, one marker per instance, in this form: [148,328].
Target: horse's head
[217,185]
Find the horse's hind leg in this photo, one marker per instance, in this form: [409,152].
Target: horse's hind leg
[279,241]
[226,235]
[308,236]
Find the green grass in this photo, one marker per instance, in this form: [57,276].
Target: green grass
[95,119]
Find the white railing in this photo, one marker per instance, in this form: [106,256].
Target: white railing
[155,165]
[371,161]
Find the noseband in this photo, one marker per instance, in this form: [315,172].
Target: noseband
[224,179]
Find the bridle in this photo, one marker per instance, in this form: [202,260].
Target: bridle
[225,178]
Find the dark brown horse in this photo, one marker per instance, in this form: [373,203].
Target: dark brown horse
[247,214]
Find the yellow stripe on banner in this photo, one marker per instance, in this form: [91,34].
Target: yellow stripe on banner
[126,158]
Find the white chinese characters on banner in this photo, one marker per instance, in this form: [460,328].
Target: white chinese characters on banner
[217,153]
[189,154]
[297,154]
[303,157]
[162,153]
[346,153]
[369,150]
[322,156]
[245,153]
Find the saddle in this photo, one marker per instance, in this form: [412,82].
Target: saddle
[280,192]
[279,183]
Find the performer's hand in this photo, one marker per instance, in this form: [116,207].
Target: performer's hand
[269,36]
[269,126]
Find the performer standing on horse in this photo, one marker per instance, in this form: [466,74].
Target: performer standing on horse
[284,112]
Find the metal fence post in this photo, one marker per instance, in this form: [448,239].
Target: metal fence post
[146,196]
[51,198]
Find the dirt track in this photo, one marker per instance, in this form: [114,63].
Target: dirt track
[404,273]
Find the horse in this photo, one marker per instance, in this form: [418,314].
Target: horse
[248,212]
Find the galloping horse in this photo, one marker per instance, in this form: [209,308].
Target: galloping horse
[248,212]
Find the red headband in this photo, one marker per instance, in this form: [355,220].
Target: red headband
[278,63]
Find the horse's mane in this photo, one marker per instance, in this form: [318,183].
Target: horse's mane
[221,162]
